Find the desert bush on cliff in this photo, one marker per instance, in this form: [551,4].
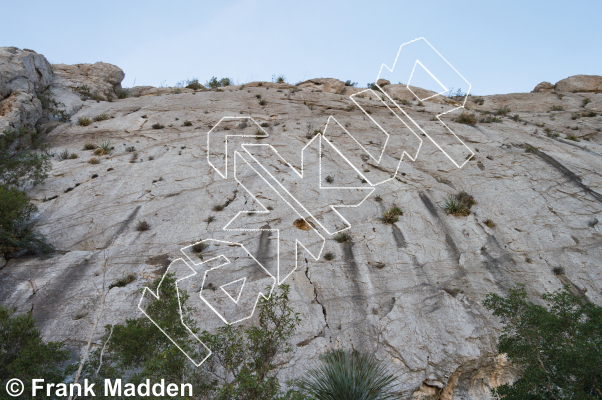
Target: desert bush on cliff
[52,107]
[214,83]
[459,204]
[558,347]
[24,356]
[23,162]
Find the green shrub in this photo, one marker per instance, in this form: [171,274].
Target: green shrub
[90,146]
[585,102]
[84,121]
[23,354]
[573,138]
[459,204]
[158,126]
[52,107]
[23,161]
[122,93]
[557,347]
[342,238]
[187,123]
[502,111]
[101,117]
[478,100]
[243,363]
[192,84]
[142,226]
[589,114]
[83,90]
[557,108]
[466,118]
[214,83]
[531,149]
[106,147]
[349,83]
[349,375]
[126,280]
[329,256]
[391,216]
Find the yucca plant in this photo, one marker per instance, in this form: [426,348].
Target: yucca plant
[106,147]
[349,375]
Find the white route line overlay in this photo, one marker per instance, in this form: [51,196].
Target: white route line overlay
[238,155]
[437,94]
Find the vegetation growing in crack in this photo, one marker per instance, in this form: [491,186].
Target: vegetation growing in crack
[466,118]
[52,107]
[459,204]
[122,282]
[391,216]
[23,161]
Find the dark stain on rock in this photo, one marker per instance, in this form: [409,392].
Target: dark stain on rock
[358,297]
[263,251]
[398,236]
[123,226]
[568,174]
[429,206]
[50,299]
[420,271]
[163,260]
[432,209]
[452,246]
[496,259]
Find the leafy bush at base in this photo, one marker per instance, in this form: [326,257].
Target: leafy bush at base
[242,365]
[557,347]
[24,356]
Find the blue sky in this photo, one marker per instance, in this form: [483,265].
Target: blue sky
[498,46]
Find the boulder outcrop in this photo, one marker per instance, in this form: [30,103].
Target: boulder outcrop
[24,74]
[580,84]
[543,87]
[100,79]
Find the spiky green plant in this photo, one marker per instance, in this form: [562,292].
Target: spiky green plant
[452,205]
[350,375]
[106,147]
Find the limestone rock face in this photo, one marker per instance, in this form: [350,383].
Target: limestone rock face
[101,78]
[329,85]
[19,109]
[580,84]
[543,87]
[23,70]
[409,292]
